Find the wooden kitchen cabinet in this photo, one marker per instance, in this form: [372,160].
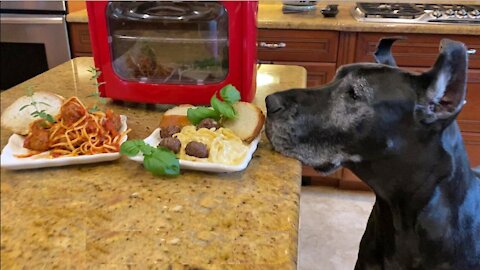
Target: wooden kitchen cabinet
[469,118]
[317,52]
[472,145]
[314,50]
[79,39]
[350,181]
[417,50]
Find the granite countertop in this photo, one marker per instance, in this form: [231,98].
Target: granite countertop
[117,215]
[79,16]
[270,16]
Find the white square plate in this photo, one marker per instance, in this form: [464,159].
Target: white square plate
[154,140]
[42,160]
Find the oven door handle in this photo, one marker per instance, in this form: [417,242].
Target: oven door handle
[31,20]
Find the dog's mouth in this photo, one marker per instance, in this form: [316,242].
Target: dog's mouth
[283,145]
[324,168]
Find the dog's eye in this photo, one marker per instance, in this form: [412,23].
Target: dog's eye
[352,93]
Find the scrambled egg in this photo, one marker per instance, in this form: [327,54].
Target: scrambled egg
[224,146]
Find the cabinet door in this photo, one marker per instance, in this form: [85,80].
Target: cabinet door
[417,50]
[472,145]
[297,45]
[80,39]
[469,118]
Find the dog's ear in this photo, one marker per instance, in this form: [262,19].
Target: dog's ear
[444,86]
[383,54]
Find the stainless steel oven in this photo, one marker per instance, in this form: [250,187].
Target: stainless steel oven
[33,39]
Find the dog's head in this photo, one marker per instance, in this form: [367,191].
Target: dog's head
[368,110]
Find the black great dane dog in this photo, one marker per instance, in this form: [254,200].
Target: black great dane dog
[397,131]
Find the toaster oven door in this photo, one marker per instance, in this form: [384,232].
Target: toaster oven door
[169,42]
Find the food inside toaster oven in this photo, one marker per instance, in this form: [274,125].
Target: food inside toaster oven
[163,49]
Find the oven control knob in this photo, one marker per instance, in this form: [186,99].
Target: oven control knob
[461,12]
[437,13]
[475,13]
[450,12]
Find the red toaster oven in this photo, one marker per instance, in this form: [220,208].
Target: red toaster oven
[174,52]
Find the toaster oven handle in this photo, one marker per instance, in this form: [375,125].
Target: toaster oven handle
[278,45]
[31,20]
[167,12]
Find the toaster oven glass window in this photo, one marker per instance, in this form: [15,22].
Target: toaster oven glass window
[169,42]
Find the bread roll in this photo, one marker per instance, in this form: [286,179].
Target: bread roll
[19,121]
[248,123]
[176,116]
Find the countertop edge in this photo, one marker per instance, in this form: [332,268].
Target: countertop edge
[271,17]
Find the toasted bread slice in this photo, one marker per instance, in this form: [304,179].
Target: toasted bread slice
[248,123]
[176,116]
[19,121]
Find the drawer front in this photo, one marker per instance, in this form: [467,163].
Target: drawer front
[297,46]
[80,38]
[418,50]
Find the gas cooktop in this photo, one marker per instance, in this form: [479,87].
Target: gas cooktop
[417,13]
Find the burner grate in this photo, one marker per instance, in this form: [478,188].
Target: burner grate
[417,13]
[390,10]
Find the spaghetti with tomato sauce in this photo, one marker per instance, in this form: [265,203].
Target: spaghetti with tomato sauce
[76,132]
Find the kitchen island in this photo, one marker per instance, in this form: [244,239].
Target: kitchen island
[116,215]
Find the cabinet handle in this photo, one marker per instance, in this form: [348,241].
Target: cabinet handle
[273,45]
[471,51]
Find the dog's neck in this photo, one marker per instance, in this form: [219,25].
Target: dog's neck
[408,181]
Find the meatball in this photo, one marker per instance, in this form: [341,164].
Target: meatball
[171,143]
[208,123]
[72,111]
[168,131]
[38,139]
[196,149]
[112,123]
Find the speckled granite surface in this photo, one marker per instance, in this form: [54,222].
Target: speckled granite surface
[79,16]
[116,215]
[270,16]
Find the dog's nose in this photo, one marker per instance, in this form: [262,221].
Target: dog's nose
[274,104]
